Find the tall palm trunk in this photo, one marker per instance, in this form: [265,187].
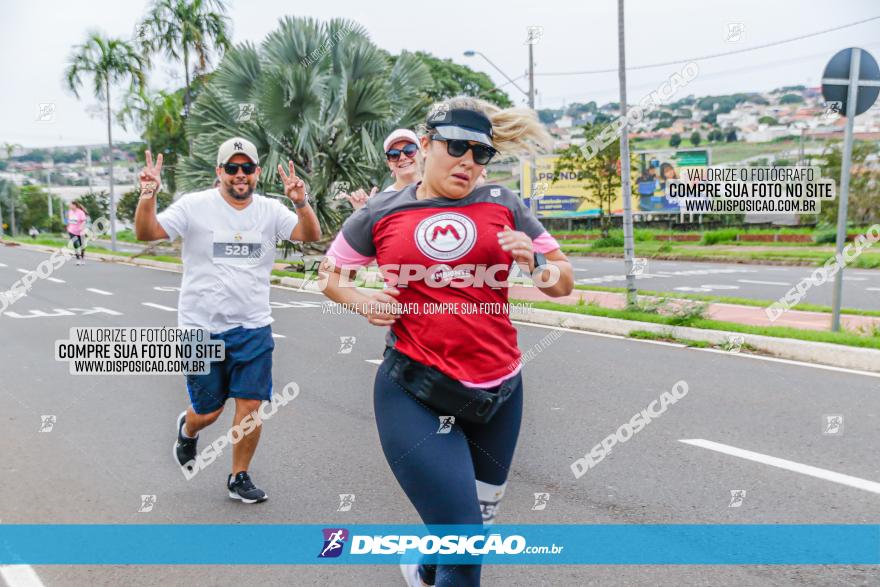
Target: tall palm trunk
[186,93]
[112,193]
[186,75]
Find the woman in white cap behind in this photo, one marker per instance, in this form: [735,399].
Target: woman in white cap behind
[404,159]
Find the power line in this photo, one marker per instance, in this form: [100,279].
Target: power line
[713,55]
[703,76]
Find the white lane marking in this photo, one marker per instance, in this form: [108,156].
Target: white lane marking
[848,278]
[99,291]
[159,307]
[374,361]
[789,362]
[276,335]
[55,279]
[3,265]
[872,289]
[719,286]
[756,282]
[20,576]
[810,470]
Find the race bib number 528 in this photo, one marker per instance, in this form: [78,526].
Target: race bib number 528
[237,247]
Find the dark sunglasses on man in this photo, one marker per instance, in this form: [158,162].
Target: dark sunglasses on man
[232,168]
[458,147]
[409,150]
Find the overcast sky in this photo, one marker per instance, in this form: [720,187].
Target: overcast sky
[36,40]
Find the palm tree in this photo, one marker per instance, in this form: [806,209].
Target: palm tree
[135,111]
[159,118]
[323,96]
[183,28]
[109,61]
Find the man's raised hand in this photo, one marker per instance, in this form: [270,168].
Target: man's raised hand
[294,187]
[151,176]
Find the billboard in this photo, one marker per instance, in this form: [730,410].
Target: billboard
[655,168]
[568,198]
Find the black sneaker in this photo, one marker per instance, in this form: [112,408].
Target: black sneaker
[244,489]
[184,448]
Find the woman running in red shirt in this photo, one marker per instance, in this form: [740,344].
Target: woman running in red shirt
[448,396]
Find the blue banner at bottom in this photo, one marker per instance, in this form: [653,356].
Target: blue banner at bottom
[650,544]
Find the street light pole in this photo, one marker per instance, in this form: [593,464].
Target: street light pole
[533,203]
[471,53]
[628,246]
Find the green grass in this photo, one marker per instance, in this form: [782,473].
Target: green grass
[648,335]
[841,338]
[728,300]
[727,152]
[288,274]
[869,259]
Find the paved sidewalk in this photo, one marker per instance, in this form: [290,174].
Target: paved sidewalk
[753,315]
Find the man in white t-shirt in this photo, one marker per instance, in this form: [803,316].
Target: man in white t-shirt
[229,238]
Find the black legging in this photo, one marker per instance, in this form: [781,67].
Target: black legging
[438,472]
[78,247]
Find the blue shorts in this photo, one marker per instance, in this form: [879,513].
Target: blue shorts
[246,372]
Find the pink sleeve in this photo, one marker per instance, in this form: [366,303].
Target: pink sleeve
[345,256]
[544,243]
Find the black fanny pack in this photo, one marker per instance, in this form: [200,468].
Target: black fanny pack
[446,395]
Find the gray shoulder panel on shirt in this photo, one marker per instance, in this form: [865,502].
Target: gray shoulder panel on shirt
[358,229]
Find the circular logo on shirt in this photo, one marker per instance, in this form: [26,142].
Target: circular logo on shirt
[446,236]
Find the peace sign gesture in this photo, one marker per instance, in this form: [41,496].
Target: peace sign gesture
[294,188]
[151,177]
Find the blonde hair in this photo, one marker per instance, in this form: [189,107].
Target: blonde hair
[514,130]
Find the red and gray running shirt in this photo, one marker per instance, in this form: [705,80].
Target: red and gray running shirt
[470,340]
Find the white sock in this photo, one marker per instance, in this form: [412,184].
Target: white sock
[489,496]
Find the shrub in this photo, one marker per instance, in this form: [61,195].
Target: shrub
[719,236]
[825,237]
[608,242]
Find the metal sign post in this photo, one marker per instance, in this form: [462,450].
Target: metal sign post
[845,73]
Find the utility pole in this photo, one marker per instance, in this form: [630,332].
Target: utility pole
[533,202]
[1,209]
[628,245]
[89,167]
[48,190]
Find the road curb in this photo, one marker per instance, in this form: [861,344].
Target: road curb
[785,348]
[822,353]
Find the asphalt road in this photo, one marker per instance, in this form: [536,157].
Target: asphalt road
[112,436]
[861,287]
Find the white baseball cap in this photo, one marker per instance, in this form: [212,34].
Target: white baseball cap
[237,146]
[400,134]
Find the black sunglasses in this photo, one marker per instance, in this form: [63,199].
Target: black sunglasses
[458,147]
[409,150]
[232,168]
